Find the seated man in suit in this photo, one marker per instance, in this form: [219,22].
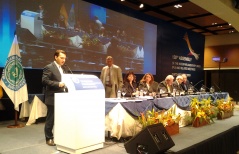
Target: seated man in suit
[185,84]
[177,83]
[167,84]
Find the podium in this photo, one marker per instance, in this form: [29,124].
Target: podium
[30,21]
[80,114]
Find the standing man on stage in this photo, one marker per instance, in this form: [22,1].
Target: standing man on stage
[51,80]
[111,77]
[185,84]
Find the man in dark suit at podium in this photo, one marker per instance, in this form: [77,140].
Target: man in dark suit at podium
[51,80]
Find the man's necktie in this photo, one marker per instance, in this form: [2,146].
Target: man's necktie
[109,76]
[168,89]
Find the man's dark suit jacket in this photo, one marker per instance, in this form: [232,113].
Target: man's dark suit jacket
[163,86]
[177,86]
[185,86]
[50,80]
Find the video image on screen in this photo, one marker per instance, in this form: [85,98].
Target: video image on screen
[87,32]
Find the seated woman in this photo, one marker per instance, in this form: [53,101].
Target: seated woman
[148,83]
[130,84]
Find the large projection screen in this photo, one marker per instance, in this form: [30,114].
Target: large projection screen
[87,32]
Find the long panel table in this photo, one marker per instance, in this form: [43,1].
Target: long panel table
[122,119]
[121,114]
[137,106]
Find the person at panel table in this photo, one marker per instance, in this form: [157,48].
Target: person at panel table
[130,84]
[42,14]
[147,83]
[177,83]
[111,77]
[167,85]
[185,84]
[62,23]
[52,81]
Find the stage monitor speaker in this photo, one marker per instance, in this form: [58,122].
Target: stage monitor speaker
[153,139]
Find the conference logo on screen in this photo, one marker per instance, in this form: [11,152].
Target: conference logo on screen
[13,75]
[191,51]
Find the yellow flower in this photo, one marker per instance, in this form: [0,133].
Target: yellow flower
[202,110]
[167,118]
[224,105]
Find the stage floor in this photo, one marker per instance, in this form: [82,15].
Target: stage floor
[30,139]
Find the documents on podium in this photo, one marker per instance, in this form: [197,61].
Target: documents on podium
[80,114]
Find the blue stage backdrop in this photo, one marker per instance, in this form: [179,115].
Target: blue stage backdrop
[180,51]
[7,27]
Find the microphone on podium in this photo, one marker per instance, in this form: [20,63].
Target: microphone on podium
[65,89]
[68,68]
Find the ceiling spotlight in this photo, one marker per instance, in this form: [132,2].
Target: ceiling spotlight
[229,24]
[122,0]
[178,6]
[141,5]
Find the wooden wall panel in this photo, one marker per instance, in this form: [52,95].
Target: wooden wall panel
[226,51]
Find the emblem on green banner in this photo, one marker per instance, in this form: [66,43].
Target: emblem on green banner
[13,75]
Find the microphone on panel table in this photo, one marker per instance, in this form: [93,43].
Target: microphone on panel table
[219,89]
[193,87]
[205,88]
[198,83]
[68,68]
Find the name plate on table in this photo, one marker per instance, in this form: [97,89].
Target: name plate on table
[164,95]
[146,97]
[190,93]
[76,82]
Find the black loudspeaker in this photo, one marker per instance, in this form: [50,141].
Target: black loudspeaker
[153,139]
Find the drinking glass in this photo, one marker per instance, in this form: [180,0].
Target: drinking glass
[123,92]
[145,90]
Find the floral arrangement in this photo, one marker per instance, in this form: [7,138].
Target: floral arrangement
[167,118]
[202,110]
[90,41]
[225,106]
[53,34]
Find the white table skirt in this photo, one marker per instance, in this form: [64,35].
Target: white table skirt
[34,110]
